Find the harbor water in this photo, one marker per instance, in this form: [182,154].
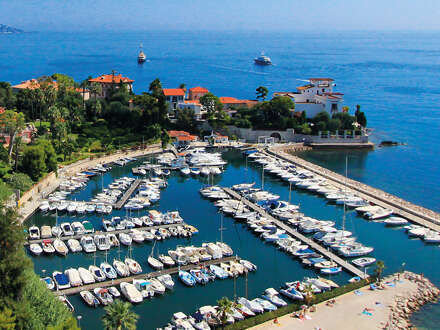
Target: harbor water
[274,267]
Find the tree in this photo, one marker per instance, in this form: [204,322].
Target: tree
[309,295]
[380,266]
[346,119]
[7,319]
[119,316]
[224,309]
[155,87]
[165,139]
[186,120]
[95,89]
[360,116]
[20,181]
[262,92]
[34,162]
[183,86]
[7,97]
[212,104]
[334,124]
[12,123]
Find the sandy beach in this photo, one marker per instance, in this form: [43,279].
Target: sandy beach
[349,311]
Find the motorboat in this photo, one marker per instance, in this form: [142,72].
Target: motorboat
[185,171]
[292,293]
[395,221]
[47,246]
[199,276]
[131,293]
[187,278]
[125,239]
[56,231]
[34,232]
[167,281]
[113,240]
[144,287]
[157,286]
[46,232]
[44,206]
[218,271]
[318,283]
[263,60]
[50,284]
[121,268]
[195,171]
[226,250]
[102,242]
[78,228]
[74,245]
[74,277]
[88,227]
[89,298]
[252,305]
[133,266]
[331,271]
[35,249]
[363,262]
[114,292]
[214,250]
[88,244]
[166,260]
[329,282]
[432,236]
[67,229]
[97,273]
[356,251]
[379,214]
[86,276]
[141,56]
[267,305]
[136,235]
[60,247]
[103,296]
[272,295]
[108,270]
[245,310]
[325,264]
[108,225]
[61,280]
[154,263]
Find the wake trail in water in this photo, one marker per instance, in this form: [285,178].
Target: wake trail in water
[239,70]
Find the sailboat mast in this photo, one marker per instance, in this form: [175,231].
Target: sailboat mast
[262,179]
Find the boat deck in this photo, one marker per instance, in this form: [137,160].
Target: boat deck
[66,238]
[118,281]
[312,244]
[127,194]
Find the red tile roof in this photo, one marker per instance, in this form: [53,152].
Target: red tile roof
[199,89]
[32,84]
[192,102]
[233,100]
[178,133]
[109,78]
[301,88]
[173,92]
[187,138]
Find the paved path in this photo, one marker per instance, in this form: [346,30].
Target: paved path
[415,213]
[141,276]
[312,244]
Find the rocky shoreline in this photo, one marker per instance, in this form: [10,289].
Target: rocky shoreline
[405,305]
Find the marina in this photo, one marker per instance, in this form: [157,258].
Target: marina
[182,194]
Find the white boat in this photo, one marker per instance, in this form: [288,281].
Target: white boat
[60,247]
[136,235]
[395,221]
[44,206]
[48,247]
[379,214]
[121,268]
[78,228]
[292,293]
[363,262]
[357,251]
[214,250]
[167,281]
[166,260]
[131,293]
[61,280]
[73,276]
[102,242]
[97,273]
[154,263]
[418,232]
[252,305]
[67,229]
[113,240]
[34,232]
[272,295]
[74,245]
[266,304]
[46,232]
[108,270]
[157,286]
[86,276]
[103,296]
[185,171]
[88,244]
[36,249]
[114,292]
[133,266]
[226,250]
[56,231]
[89,298]
[125,239]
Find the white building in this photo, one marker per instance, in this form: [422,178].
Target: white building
[173,96]
[194,105]
[315,97]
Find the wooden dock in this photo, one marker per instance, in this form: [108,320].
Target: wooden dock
[78,237]
[127,194]
[414,213]
[312,244]
[118,281]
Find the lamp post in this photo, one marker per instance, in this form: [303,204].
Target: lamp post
[79,317]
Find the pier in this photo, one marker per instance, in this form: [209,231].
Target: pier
[403,208]
[118,281]
[312,244]
[78,237]
[127,194]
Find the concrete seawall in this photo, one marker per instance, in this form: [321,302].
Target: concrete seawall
[413,212]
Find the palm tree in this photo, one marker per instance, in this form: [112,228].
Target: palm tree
[119,316]
[380,266]
[262,92]
[95,89]
[224,308]
[309,295]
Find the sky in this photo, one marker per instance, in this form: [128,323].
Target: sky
[251,15]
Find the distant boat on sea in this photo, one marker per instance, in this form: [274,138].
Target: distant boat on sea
[141,57]
[263,60]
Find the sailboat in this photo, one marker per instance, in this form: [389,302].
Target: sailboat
[141,57]
[153,262]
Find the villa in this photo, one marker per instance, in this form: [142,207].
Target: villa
[232,102]
[196,93]
[315,97]
[173,96]
[182,138]
[111,81]
[34,84]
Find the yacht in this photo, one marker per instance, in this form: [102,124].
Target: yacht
[131,293]
[141,57]
[363,262]
[263,60]
[97,273]
[88,244]
[102,242]
[34,232]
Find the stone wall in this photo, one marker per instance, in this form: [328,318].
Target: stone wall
[39,188]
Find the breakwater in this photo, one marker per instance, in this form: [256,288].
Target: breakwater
[408,210]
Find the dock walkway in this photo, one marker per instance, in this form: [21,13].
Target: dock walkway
[78,237]
[412,212]
[118,281]
[312,244]
[127,194]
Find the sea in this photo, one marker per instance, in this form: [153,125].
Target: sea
[394,76]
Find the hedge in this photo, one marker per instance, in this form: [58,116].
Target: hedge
[293,307]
